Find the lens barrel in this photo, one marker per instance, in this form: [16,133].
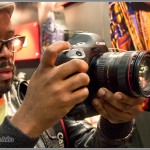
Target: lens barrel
[128,72]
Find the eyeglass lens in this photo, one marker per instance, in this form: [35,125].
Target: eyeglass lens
[13,44]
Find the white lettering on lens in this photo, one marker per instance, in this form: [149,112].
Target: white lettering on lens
[100,43]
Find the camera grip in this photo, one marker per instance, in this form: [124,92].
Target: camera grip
[67,55]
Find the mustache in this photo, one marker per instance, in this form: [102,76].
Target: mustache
[6,63]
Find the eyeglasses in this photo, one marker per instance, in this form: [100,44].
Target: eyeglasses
[14,44]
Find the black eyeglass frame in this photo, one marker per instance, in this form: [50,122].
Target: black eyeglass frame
[5,42]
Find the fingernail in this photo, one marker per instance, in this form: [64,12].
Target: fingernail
[95,102]
[118,96]
[102,92]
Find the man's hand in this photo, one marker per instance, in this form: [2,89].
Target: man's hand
[117,107]
[52,92]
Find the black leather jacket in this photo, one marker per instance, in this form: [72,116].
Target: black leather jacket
[79,134]
[69,133]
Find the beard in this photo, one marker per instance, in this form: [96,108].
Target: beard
[5,85]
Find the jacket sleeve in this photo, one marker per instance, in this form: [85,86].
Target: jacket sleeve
[82,134]
[12,137]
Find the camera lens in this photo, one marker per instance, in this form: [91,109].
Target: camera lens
[128,72]
[144,75]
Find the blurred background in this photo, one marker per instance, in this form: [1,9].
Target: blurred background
[48,22]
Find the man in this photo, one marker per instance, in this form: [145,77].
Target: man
[51,94]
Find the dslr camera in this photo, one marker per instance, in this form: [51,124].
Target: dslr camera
[128,72]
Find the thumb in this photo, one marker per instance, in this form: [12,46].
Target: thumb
[50,54]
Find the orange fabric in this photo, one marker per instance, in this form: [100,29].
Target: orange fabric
[2,100]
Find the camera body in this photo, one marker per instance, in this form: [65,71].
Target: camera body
[84,46]
[128,72]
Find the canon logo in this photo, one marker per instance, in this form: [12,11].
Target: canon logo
[60,137]
[100,43]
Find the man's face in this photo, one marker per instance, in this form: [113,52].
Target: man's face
[6,57]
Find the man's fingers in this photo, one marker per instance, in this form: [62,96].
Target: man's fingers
[77,81]
[127,99]
[71,67]
[99,107]
[50,54]
[79,95]
[118,99]
[113,114]
[105,94]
